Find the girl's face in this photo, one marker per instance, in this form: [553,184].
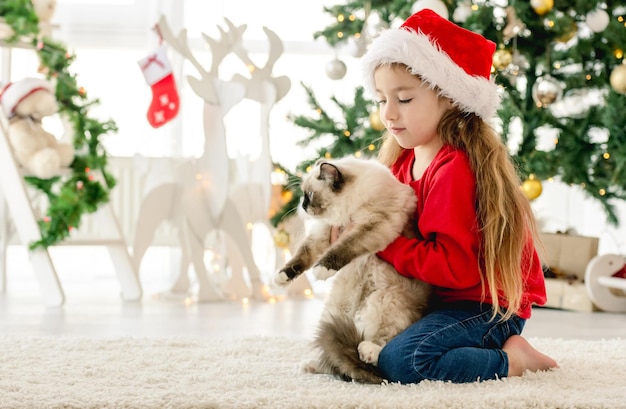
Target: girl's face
[410,110]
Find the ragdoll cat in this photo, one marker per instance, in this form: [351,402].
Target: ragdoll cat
[369,302]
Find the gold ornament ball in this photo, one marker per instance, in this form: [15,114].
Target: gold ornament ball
[375,121]
[532,188]
[571,31]
[502,59]
[282,239]
[618,79]
[541,7]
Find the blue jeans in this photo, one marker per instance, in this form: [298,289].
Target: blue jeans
[457,342]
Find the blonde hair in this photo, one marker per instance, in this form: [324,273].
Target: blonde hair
[504,214]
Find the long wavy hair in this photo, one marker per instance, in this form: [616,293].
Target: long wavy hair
[504,213]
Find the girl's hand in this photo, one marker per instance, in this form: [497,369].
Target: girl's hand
[335,232]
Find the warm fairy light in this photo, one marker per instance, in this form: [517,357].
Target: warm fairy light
[606,155]
[340,18]
[272,300]
[474,7]
[602,192]
[327,155]
[357,35]
[188,301]
[357,154]
[352,17]
[251,68]
[340,34]
[371,147]
[319,111]
[588,77]
[308,169]
[620,19]
[245,301]
[249,226]
[551,179]
[308,292]
[550,23]
[618,53]
[557,65]
[347,133]
[81,91]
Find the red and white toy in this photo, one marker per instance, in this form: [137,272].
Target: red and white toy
[25,103]
[605,279]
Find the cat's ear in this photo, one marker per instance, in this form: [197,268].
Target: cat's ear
[331,175]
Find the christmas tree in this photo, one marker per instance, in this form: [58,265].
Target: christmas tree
[560,66]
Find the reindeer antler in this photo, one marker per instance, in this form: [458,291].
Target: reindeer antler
[205,86]
[259,74]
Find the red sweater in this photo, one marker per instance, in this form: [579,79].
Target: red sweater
[446,252]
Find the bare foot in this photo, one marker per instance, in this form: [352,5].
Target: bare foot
[523,357]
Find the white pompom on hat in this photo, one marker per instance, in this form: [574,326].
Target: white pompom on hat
[14,92]
[454,60]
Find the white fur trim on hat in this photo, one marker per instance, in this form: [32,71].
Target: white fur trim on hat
[14,92]
[471,93]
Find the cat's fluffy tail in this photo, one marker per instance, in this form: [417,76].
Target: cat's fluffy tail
[337,341]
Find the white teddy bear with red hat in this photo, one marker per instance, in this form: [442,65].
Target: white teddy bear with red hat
[25,103]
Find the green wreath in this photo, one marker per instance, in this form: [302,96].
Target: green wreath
[82,191]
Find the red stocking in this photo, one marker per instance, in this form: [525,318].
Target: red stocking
[157,72]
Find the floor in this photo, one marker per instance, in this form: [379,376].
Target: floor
[93,308]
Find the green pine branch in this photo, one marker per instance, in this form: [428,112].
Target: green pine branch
[83,191]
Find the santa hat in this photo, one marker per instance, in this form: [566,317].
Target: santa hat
[455,60]
[15,92]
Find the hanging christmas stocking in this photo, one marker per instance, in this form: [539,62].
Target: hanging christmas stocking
[157,72]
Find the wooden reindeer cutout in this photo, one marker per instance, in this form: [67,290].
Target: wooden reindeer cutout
[195,197]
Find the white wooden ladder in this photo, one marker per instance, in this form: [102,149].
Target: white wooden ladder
[16,202]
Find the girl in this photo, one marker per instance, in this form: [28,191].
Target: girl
[475,228]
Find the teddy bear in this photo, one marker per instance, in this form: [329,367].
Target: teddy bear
[44,9]
[25,103]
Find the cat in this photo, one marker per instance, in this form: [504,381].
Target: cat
[369,302]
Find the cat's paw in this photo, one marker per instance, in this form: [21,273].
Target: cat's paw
[322,273]
[281,278]
[369,351]
[287,274]
[310,366]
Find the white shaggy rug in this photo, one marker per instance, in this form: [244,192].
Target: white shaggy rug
[262,373]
